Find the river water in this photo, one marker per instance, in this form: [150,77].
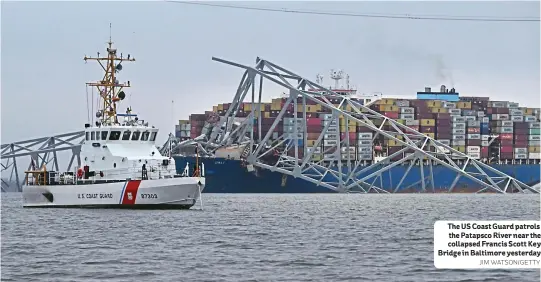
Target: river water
[248,237]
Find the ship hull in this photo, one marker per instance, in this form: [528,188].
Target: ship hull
[229,176]
[171,193]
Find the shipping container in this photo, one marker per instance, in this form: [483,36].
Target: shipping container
[500,117]
[459,125]
[506,149]
[476,155]
[534,125]
[534,149]
[474,123]
[428,122]
[474,136]
[412,122]
[534,131]
[458,131]
[456,119]
[534,156]
[530,118]
[364,136]
[407,116]
[455,112]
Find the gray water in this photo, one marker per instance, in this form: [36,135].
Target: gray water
[273,237]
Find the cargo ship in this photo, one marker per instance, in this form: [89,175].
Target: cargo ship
[499,133]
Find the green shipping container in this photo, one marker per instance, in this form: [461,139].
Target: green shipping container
[535,131]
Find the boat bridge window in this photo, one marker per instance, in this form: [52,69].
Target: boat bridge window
[153,136]
[368,100]
[98,135]
[104,135]
[135,135]
[115,135]
[126,135]
[145,135]
[87,136]
[92,135]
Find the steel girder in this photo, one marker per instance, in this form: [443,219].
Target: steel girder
[42,151]
[345,175]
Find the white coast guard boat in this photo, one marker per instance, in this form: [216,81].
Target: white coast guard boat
[120,164]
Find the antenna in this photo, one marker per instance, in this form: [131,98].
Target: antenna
[109,89]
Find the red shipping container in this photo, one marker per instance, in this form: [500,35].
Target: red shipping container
[443,135]
[312,136]
[484,151]
[519,144]
[443,116]
[521,125]
[428,129]
[506,136]
[521,137]
[314,128]
[392,115]
[506,156]
[363,129]
[414,127]
[506,149]
[474,130]
[352,136]
[443,122]
[313,121]
[521,131]
[473,142]
[506,142]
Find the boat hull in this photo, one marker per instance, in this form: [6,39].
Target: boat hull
[229,176]
[171,193]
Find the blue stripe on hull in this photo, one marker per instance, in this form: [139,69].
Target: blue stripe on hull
[228,176]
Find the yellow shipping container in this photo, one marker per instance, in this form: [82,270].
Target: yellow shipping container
[215,109]
[393,143]
[433,104]
[275,107]
[438,110]
[266,114]
[318,107]
[528,111]
[388,108]
[461,149]
[534,149]
[386,102]
[428,122]
[431,134]
[463,105]
[310,143]
[352,128]
[316,157]
[183,121]
[401,121]
[220,107]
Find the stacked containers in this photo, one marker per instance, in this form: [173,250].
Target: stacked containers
[534,140]
[182,129]
[313,129]
[458,133]
[485,136]
[197,121]
[347,137]
[501,125]
[331,137]
[520,132]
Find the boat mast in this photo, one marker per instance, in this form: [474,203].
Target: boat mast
[109,89]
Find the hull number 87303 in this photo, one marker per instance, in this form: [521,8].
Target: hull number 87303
[149,196]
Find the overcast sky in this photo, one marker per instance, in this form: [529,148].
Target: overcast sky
[44,75]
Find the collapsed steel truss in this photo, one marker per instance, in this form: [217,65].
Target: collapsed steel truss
[342,175]
[42,151]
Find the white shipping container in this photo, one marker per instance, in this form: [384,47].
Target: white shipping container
[485,120]
[530,118]
[333,129]
[516,112]
[500,117]
[480,114]
[291,121]
[535,156]
[521,156]
[445,141]
[505,123]
[458,143]
[474,136]
[292,136]
[459,137]
[351,156]
[407,116]
[534,143]
[469,113]
[317,150]
[364,135]
[497,104]
[326,116]
[332,122]
[449,105]
[521,150]
[407,110]
[517,118]
[470,118]
[412,122]
[441,149]
[184,133]
[330,136]
[330,157]
[367,142]
[177,127]
[474,123]
[534,137]
[328,143]
[365,156]
[503,130]
[402,103]
[484,143]
[459,125]
[512,105]
[275,135]
[457,112]
[347,149]
[473,149]
[485,137]
[364,150]
[458,119]
[459,131]
[534,125]
[475,155]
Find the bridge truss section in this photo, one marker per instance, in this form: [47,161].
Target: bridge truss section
[37,152]
[282,154]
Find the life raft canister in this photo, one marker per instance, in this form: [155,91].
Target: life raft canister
[80,173]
